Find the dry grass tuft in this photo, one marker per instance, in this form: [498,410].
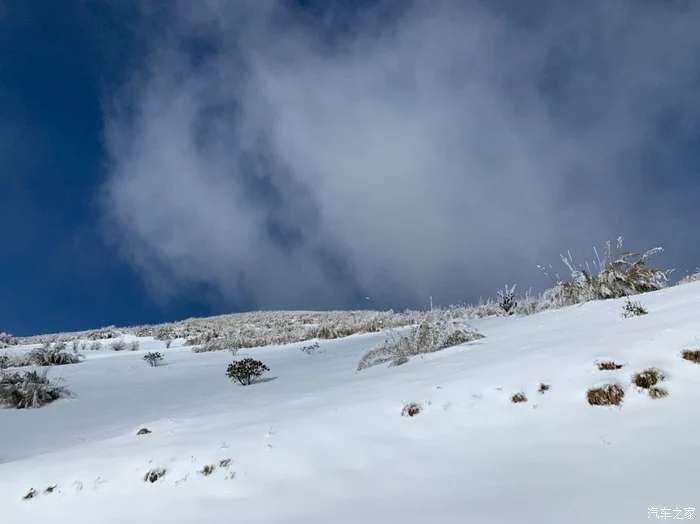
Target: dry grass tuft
[207,470]
[543,387]
[518,398]
[411,410]
[30,494]
[155,474]
[691,355]
[224,463]
[647,378]
[144,431]
[608,395]
[608,365]
[657,392]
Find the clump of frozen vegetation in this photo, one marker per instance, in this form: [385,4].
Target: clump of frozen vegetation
[118,345]
[7,340]
[633,309]
[693,277]
[246,371]
[54,355]
[507,300]
[29,389]
[48,355]
[435,332]
[153,358]
[617,274]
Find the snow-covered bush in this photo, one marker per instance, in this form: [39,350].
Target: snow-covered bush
[29,389]
[618,274]
[354,322]
[95,345]
[694,277]
[507,300]
[153,358]
[7,340]
[102,333]
[216,344]
[246,371]
[118,345]
[56,355]
[134,345]
[434,333]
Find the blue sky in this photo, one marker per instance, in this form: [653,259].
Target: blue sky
[161,160]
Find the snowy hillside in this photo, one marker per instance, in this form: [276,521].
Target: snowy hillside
[316,441]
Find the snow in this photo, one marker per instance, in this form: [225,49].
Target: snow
[320,443]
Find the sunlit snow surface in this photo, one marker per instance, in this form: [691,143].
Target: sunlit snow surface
[320,443]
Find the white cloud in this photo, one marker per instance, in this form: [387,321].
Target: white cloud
[440,153]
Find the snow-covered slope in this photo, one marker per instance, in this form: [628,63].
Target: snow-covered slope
[320,443]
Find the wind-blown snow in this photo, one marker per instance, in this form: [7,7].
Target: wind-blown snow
[320,443]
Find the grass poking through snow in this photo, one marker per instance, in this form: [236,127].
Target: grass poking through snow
[608,365]
[518,398]
[607,395]
[691,355]
[657,392]
[411,410]
[647,378]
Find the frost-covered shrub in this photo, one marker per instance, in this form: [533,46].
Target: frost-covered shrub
[246,371]
[434,333]
[153,358]
[56,355]
[360,322]
[134,345]
[618,274]
[507,300]
[7,340]
[216,344]
[4,361]
[694,277]
[29,389]
[118,345]
[102,333]
[161,333]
